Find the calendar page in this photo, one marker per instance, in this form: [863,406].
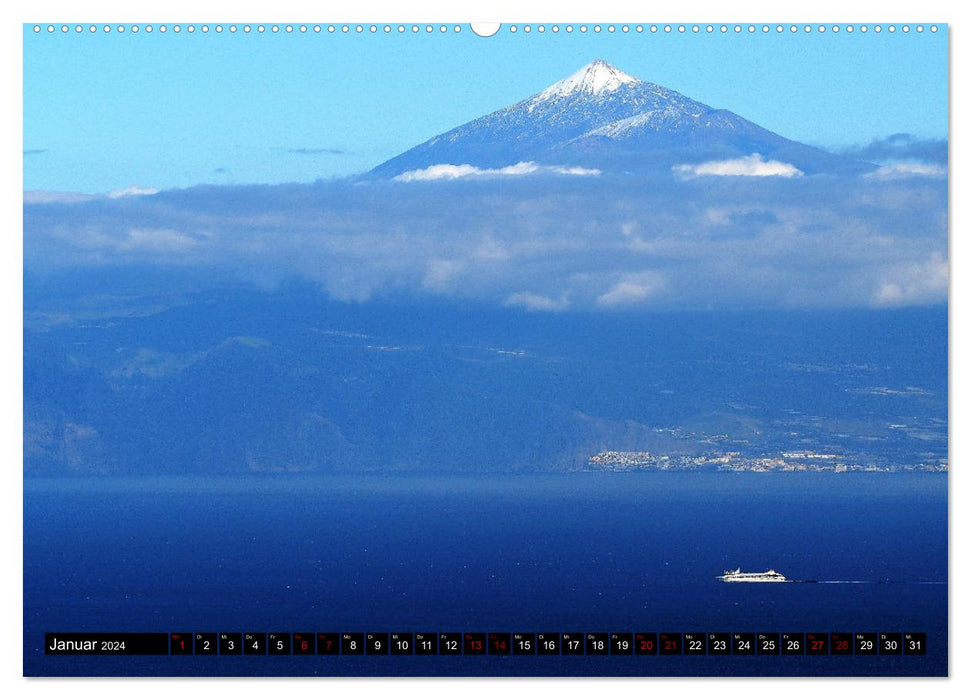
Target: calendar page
[536,349]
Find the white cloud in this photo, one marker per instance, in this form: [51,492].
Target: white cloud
[42,197]
[920,283]
[131,192]
[440,274]
[631,290]
[574,170]
[536,302]
[157,241]
[746,166]
[447,171]
[491,250]
[438,172]
[902,170]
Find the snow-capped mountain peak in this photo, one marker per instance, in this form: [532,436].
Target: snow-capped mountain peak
[600,118]
[594,78]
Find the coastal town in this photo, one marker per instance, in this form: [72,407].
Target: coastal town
[804,461]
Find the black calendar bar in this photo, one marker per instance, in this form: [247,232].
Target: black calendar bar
[380,644]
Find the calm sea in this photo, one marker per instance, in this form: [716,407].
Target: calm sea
[579,552]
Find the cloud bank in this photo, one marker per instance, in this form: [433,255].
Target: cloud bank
[605,244]
[914,283]
[536,302]
[903,170]
[904,156]
[132,192]
[901,147]
[446,171]
[632,290]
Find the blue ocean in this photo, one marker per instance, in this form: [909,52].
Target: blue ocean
[572,552]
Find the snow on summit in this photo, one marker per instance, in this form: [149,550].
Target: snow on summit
[594,78]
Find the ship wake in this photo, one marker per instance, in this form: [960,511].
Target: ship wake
[911,583]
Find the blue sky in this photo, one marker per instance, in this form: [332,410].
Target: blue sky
[110,111]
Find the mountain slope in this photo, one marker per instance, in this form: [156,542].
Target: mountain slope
[603,118]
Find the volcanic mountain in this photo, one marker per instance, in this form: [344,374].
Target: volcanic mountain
[602,118]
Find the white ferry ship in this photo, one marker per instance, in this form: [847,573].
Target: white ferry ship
[739,576]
